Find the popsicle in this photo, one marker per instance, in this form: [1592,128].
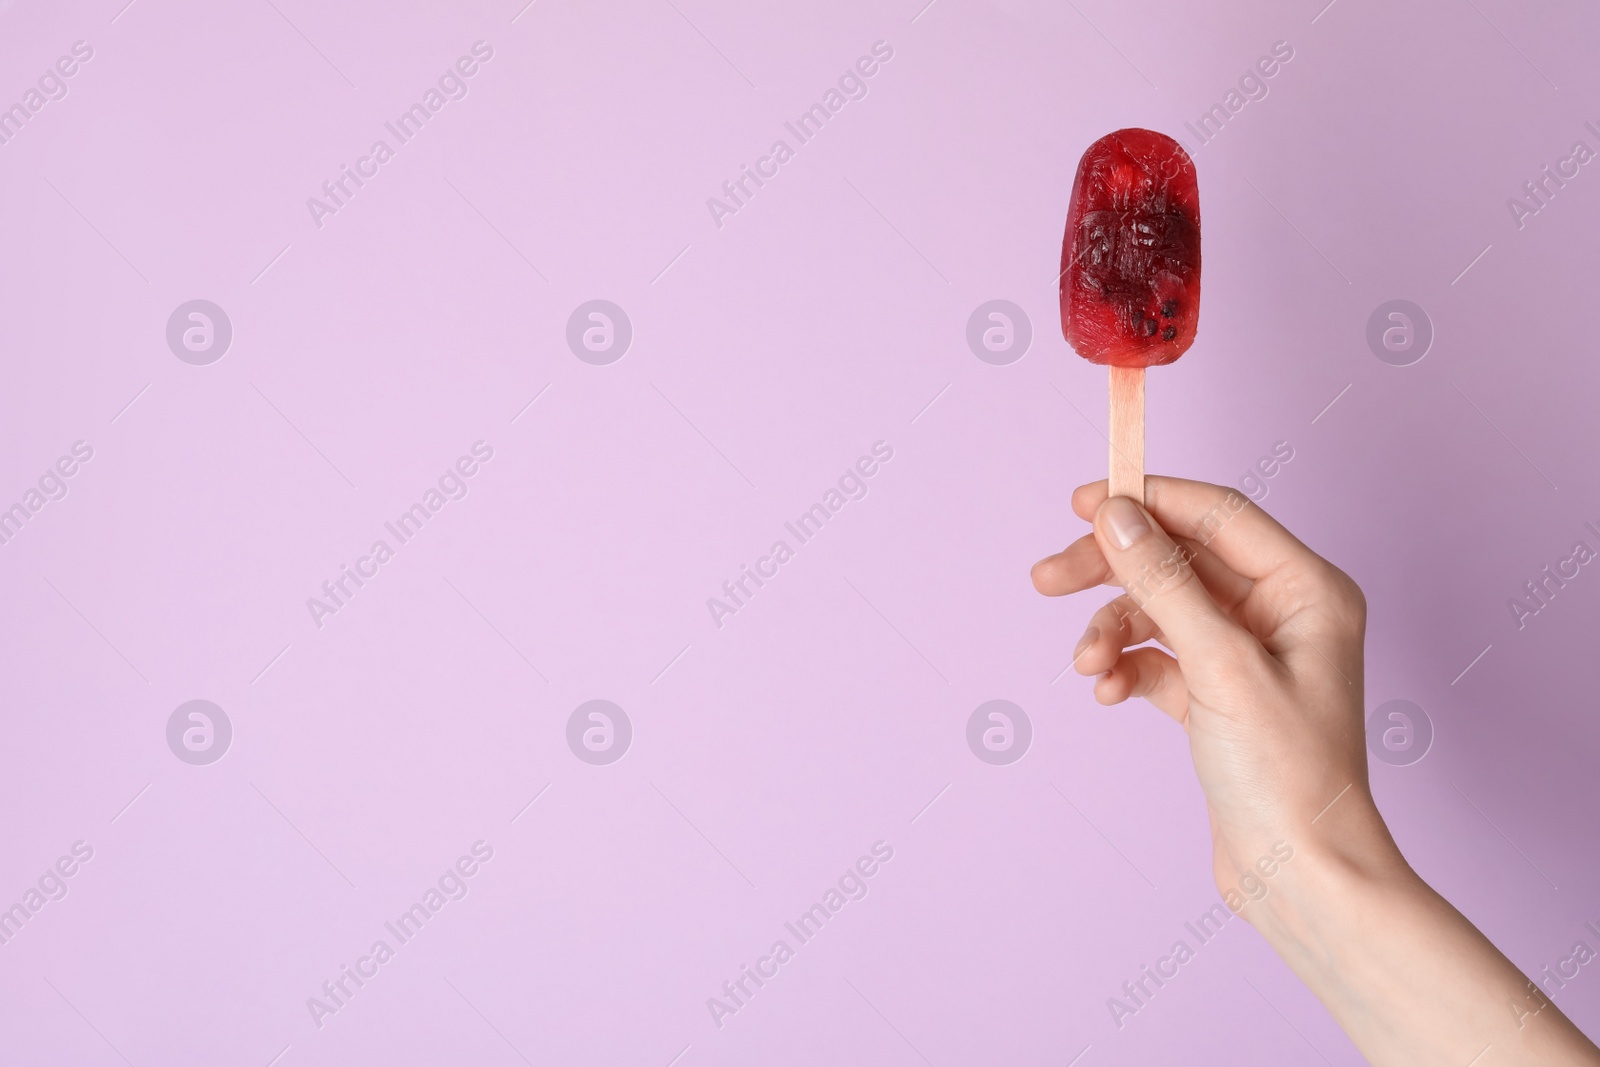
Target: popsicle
[1130,275]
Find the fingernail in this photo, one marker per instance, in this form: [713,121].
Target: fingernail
[1090,636]
[1126,522]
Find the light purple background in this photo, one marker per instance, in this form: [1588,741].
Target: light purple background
[768,355]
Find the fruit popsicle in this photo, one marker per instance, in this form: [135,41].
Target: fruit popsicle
[1130,275]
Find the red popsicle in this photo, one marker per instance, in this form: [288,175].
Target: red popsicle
[1130,275]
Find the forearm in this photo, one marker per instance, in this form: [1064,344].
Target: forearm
[1407,976]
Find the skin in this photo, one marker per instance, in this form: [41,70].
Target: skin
[1263,670]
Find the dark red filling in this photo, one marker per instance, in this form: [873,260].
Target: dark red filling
[1130,260]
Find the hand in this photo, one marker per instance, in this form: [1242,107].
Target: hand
[1265,675]
[1267,679]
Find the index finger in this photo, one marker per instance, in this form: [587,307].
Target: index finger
[1075,568]
[1242,535]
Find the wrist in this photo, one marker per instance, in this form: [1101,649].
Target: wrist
[1406,975]
[1345,872]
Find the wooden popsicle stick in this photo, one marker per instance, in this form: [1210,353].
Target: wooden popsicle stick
[1127,432]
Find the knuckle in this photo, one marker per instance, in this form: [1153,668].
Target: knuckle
[1122,611]
[1348,599]
[1205,527]
[1234,655]
[1161,573]
[1144,682]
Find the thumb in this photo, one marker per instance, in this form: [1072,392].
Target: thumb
[1156,572]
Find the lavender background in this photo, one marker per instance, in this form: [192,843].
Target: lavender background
[830,712]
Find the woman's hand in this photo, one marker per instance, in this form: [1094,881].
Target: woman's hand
[1265,676]
[1267,679]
